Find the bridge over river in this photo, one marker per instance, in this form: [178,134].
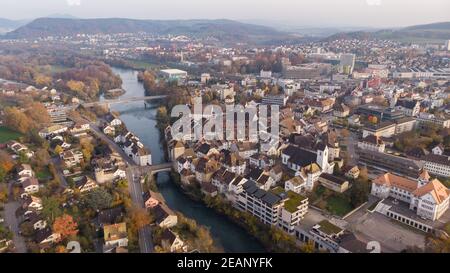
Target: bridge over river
[122,100]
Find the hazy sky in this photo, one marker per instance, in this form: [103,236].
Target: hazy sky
[375,13]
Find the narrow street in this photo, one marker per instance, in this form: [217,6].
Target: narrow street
[12,222]
[135,188]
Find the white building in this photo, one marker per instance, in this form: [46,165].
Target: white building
[372,143]
[429,199]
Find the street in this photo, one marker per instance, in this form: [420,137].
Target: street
[11,219]
[133,174]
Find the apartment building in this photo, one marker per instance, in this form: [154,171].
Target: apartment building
[275,207]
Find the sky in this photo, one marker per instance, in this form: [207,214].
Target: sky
[308,13]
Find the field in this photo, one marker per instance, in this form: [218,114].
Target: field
[7,135]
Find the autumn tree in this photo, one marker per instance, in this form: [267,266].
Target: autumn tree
[42,80]
[38,113]
[42,157]
[76,86]
[17,120]
[139,217]
[87,148]
[6,161]
[308,247]
[65,226]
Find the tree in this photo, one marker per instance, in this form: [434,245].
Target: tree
[38,113]
[42,80]
[58,150]
[51,208]
[87,148]
[2,174]
[41,157]
[345,133]
[364,174]
[17,120]
[98,199]
[6,162]
[308,247]
[139,217]
[76,86]
[359,192]
[65,226]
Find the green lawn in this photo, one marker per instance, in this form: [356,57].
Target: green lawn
[7,134]
[338,205]
[43,174]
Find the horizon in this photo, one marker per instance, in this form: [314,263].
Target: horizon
[306,14]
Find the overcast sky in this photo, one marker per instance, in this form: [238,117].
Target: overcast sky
[374,13]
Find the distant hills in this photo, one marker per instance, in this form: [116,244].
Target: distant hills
[7,25]
[223,30]
[428,32]
[227,31]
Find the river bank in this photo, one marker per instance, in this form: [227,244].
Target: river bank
[142,121]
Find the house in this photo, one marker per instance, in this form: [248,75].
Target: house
[260,161]
[80,129]
[111,216]
[85,184]
[24,171]
[234,163]
[152,199]
[108,170]
[31,204]
[222,179]
[112,120]
[333,183]
[372,143]
[341,111]
[172,242]
[115,235]
[109,130]
[428,198]
[438,150]
[276,173]
[72,158]
[409,107]
[30,185]
[19,148]
[164,217]
[208,189]
[52,130]
[47,237]
[295,184]
[351,172]
[37,221]
[204,169]
[261,179]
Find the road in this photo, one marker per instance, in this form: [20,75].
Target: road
[11,219]
[57,162]
[134,186]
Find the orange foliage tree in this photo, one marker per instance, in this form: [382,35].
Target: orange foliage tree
[65,226]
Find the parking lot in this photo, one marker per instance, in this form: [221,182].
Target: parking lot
[392,236]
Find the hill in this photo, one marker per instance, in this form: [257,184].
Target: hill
[7,25]
[418,33]
[223,30]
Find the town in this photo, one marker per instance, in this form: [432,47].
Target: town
[361,152]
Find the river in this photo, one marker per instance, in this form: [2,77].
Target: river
[141,121]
